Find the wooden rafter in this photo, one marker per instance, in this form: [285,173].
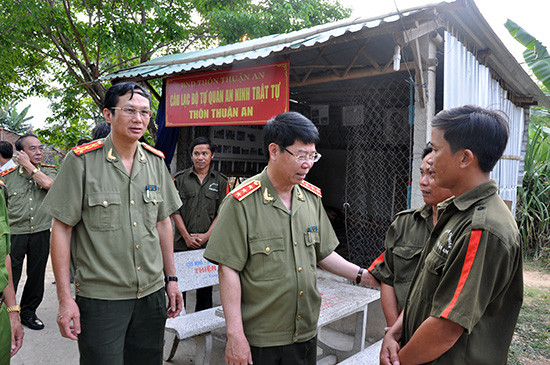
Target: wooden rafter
[355,56]
[320,53]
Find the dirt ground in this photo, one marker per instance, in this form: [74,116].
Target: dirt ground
[536,278]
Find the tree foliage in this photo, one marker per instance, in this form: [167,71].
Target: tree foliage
[60,48]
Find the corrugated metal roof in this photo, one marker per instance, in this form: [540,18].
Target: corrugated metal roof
[255,48]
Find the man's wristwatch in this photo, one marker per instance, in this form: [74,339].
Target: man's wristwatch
[359,275]
[14,308]
[34,171]
[170,278]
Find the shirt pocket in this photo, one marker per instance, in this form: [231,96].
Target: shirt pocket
[267,259]
[405,259]
[211,202]
[431,275]
[104,211]
[312,240]
[152,201]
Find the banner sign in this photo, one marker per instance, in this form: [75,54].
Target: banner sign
[246,95]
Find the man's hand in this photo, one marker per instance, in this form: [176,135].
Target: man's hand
[200,238]
[390,348]
[16,333]
[21,158]
[175,299]
[237,351]
[69,312]
[192,241]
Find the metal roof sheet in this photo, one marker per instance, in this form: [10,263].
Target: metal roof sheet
[254,48]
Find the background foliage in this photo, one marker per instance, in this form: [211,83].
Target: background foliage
[60,48]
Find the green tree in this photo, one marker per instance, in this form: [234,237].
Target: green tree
[60,48]
[14,121]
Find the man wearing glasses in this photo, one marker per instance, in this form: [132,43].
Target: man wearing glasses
[26,188]
[111,206]
[271,233]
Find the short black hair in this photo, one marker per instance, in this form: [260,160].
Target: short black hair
[101,130]
[6,149]
[82,141]
[202,140]
[482,131]
[426,151]
[114,93]
[287,128]
[19,141]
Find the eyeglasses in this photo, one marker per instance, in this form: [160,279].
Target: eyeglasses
[132,112]
[314,157]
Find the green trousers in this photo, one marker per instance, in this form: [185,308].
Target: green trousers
[303,353]
[117,332]
[5,336]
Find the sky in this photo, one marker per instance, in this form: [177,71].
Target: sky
[532,15]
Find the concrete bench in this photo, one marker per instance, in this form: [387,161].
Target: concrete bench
[194,272]
[341,300]
[369,356]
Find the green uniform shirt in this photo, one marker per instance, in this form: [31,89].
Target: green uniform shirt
[276,253]
[4,243]
[24,197]
[470,274]
[115,246]
[200,201]
[405,239]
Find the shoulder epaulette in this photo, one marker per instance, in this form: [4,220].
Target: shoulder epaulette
[94,145]
[314,189]
[5,172]
[403,212]
[246,190]
[48,165]
[153,150]
[2,183]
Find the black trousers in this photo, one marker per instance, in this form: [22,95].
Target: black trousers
[117,332]
[204,299]
[302,353]
[36,246]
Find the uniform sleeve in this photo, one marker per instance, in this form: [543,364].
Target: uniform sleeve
[64,199]
[328,240]
[50,172]
[228,244]
[171,198]
[477,270]
[223,190]
[382,268]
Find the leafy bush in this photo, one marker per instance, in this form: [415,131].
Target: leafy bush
[533,210]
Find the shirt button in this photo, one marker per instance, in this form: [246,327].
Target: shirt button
[299,269]
[32,218]
[133,202]
[154,201]
[301,293]
[267,249]
[299,317]
[138,247]
[77,284]
[296,334]
[77,291]
[30,198]
[32,208]
[295,340]
[14,193]
[139,269]
[135,224]
[295,243]
[105,203]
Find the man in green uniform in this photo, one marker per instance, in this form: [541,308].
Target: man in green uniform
[11,331]
[26,188]
[201,190]
[271,233]
[467,290]
[405,239]
[114,197]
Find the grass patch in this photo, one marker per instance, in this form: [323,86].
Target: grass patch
[531,341]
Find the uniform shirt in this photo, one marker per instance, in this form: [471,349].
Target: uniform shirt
[470,274]
[23,199]
[200,201]
[4,242]
[405,239]
[276,253]
[115,246]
